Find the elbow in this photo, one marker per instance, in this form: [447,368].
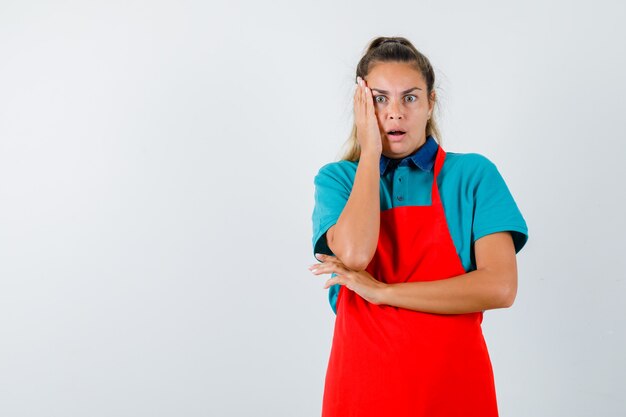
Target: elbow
[356,261]
[508,297]
[508,302]
[353,258]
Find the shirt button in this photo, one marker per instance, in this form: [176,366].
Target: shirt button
[400,198]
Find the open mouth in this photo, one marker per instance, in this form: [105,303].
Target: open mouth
[396,133]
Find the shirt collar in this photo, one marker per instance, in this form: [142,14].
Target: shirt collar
[423,158]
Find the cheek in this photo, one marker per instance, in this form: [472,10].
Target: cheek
[420,113]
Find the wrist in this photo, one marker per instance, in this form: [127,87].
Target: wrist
[384,293]
[370,155]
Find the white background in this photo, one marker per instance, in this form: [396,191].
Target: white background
[156,190]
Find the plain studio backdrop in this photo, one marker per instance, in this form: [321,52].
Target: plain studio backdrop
[156,191]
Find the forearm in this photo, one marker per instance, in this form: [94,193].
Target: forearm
[356,232]
[471,292]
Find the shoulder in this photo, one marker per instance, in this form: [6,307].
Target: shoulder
[339,167]
[468,161]
[339,171]
[470,167]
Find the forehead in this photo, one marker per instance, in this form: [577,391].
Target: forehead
[394,76]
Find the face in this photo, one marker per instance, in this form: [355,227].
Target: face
[400,102]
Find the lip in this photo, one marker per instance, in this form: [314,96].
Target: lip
[396,138]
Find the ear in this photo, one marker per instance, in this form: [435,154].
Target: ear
[431,104]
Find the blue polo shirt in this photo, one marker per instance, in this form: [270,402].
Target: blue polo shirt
[475,198]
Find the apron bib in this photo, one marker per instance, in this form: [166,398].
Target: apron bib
[388,361]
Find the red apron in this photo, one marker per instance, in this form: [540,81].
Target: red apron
[388,361]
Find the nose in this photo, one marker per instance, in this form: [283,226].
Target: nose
[393,111]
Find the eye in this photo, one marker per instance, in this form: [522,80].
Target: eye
[415,98]
[377,97]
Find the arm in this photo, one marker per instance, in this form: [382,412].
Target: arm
[492,285]
[354,237]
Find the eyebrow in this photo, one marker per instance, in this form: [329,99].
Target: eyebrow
[404,92]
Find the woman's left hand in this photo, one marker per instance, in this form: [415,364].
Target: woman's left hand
[361,282]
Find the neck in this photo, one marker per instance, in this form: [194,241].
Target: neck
[423,141]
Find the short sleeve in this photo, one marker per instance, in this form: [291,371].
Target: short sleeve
[332,191]
[495,209]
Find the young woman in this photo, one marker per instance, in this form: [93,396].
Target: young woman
[419,242]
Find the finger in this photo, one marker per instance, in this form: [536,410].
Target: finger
[357,99]
[332,281]
[326,258]
[369,101]
[329,258]
[321,256]
[336,263]
[357,92]
[360,105]
[328,268]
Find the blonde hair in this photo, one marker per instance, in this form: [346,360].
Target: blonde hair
[394,49]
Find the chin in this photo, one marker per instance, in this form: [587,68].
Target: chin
[400,148]
[400,145]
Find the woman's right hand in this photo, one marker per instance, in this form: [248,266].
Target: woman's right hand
[368,130]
